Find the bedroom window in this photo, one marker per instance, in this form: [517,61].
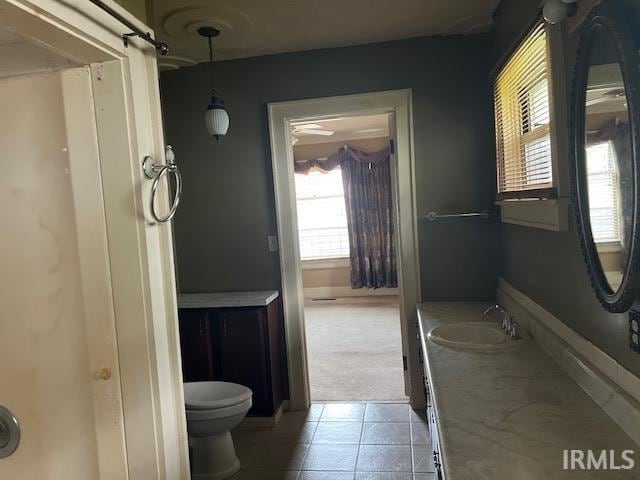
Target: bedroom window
[522,118]
[322,216]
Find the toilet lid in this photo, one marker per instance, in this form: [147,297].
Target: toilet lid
[210,395]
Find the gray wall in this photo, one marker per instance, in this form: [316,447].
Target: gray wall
[548,266]
[228,205]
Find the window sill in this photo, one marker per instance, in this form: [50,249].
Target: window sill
[608,247]
[325,263]
[548,214]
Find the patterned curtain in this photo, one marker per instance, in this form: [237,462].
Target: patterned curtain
[366,178]
[367,193]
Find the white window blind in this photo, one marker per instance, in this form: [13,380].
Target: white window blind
[521,100]
[604,196]
[322,216]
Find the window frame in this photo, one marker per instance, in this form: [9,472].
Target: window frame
[526,137]
[544,209]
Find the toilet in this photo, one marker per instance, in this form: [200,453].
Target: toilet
[213,409]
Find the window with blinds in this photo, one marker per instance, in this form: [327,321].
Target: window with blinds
[604,196]
[523,141]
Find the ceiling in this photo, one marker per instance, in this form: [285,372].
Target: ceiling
[19,56]
[343,128]
[258,27]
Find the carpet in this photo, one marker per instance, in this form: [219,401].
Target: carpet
[354,349]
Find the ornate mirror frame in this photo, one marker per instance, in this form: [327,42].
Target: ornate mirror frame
[606,16]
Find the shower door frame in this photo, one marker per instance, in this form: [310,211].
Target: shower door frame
[127,126]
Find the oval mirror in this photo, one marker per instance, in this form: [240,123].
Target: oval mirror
[605,147]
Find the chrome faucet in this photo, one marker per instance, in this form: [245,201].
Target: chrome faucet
[508,325]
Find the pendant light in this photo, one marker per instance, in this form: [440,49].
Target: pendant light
[216,118]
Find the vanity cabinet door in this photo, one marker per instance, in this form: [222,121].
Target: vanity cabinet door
[195,345]
[241,345]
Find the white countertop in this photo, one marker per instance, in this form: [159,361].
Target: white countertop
[510,415]
[260,298]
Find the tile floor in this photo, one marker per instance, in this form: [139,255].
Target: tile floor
[338,441]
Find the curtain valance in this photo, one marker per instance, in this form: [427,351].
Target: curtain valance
[327,164]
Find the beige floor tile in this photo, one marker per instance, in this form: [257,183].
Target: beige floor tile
[294,432]
[331,457]
[384,458]
[343,412]
[311,415]
[272,457]
[423,459]
[417,416]
[309,475]
[265,475]
[424,476]
[336,433]
[420,434]
[387,412]
[386,433]
[282,433]
[383,476]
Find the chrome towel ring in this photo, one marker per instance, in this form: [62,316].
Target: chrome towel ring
[155,172]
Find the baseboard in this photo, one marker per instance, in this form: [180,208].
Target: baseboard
[347,291]
[609,384]
[271,421]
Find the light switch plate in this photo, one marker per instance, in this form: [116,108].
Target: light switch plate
[634,330]
[273,243]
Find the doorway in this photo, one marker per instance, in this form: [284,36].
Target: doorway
[283,119]
[346,219]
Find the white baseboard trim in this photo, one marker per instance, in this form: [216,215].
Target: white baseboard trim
[615,389]
[338,292]
[271,421]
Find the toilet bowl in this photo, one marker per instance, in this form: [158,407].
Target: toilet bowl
[213,409]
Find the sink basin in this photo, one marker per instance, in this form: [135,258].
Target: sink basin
[475,336]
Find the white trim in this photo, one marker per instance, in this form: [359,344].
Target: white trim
[321,264]
[262,422]
[340,137]
[341,292]
[398,102]
[551,214]
[612,386]
[84,162]
[559,130]
[608,247]
[128,124]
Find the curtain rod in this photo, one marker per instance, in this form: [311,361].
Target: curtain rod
[161,47]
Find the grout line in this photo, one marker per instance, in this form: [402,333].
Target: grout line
[413,462]
[355,467]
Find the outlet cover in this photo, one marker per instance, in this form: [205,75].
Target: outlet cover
[634,330]
[273,243]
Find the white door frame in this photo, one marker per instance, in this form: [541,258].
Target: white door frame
[281,114]
[126,105]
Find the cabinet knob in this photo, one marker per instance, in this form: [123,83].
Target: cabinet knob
[104,373]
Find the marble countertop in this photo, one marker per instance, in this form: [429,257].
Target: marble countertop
[510,415]
[227,299]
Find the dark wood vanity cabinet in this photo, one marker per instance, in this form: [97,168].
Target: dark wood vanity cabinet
[196,346]
[242,345]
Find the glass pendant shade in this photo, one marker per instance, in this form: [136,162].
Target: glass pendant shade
[216,118]
[555,11]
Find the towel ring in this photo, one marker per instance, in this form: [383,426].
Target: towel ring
[155,172]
